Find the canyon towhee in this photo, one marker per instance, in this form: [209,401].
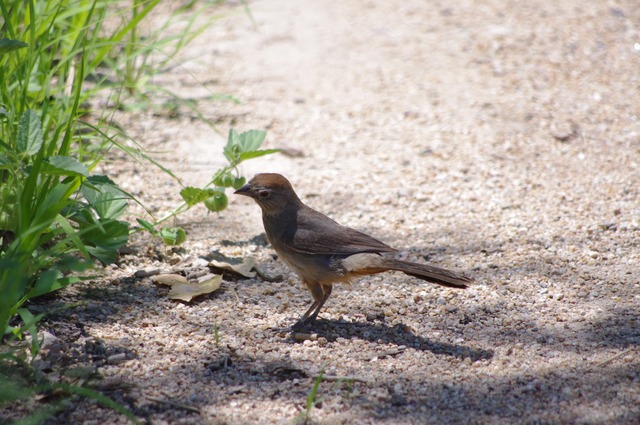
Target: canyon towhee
[321,251]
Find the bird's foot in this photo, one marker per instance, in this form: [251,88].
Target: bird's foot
[302,325]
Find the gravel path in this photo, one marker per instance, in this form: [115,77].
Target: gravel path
[498,137]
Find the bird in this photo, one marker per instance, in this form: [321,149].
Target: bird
[321,251]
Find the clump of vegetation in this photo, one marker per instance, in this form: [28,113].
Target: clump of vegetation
[57,217]
[312,401]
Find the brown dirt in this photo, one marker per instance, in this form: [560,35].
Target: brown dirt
[500,138]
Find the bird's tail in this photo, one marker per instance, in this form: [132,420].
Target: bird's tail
[433,274]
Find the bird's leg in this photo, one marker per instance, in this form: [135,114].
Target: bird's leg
[327,292]
[306,315]
[320,296]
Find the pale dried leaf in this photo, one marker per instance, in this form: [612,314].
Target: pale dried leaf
[243,268]
[187,291]
[169,279]
[181,289]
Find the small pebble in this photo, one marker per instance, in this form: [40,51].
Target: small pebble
[117,358]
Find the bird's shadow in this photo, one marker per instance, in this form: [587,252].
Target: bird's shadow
[397,334]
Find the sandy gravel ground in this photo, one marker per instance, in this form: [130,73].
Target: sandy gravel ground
[501,138]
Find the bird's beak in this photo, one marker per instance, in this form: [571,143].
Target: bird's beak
[244,190]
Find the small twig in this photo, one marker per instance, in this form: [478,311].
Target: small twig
[334,378]
[616,357]
[387,353]
[174,404]
[236,294]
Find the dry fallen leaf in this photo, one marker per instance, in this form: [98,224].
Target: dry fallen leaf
[181,289]
[169,279]
[243,268]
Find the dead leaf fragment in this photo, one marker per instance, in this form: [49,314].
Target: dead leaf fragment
[181,289]
[169,279]
[243,268]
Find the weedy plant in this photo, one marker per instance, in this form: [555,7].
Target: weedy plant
[312,401]
[240,147]
[57,218]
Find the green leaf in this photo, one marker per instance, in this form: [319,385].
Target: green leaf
[47,282]
[173,235]
[105,197]
[64,166]
[217,202]
[194,195]
[108,234]
[98,179]
[104,238]
[4,113]
[97,396]
[72,234]
[232,149]
[147,226]
[5,163]
[7,45]
[10,390]
[29,139]
[255,154]
[234,137]
[29,322]
[251,140]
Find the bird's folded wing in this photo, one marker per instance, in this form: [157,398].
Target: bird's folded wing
[318,234]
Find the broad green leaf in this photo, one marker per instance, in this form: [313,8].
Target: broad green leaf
[234,137]
[173,235]
[109,205]
[107,233]
[98,179]
[64,166]
[232,149]
[255,154]
[108,200]
[103,239]
[194,195]
[105,255]
[4,113]
[29,139]
[252,139]
[7,45]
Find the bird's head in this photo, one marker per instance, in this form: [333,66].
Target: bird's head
[271,191]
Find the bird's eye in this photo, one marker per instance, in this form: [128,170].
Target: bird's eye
[264,194]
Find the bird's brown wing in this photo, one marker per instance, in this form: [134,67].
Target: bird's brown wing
[316,233]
